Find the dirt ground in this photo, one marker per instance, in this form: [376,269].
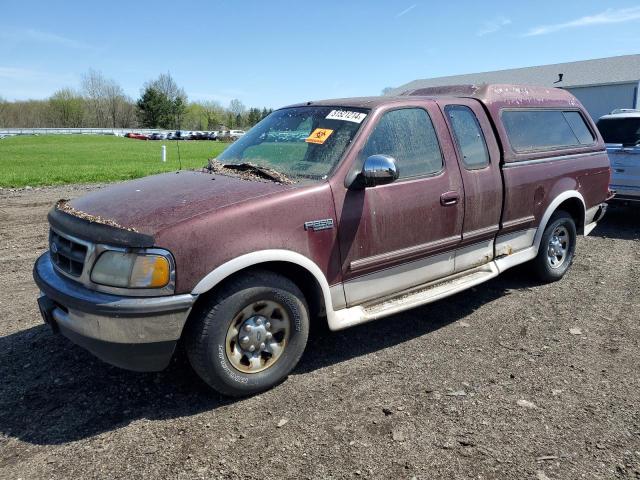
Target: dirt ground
[509,380]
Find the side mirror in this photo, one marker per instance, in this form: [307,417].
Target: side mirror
[379,170]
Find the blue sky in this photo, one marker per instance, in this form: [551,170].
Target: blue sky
[271,53]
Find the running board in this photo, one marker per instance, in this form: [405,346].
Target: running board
[427,293]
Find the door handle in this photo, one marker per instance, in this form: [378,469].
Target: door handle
[449,198]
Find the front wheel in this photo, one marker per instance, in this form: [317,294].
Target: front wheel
[248,335]
[557,248]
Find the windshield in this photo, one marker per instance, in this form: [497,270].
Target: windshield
[620,130]
[300,142]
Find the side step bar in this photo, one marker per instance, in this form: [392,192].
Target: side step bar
[427,293]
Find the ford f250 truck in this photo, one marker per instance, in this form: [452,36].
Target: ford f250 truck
[342,211]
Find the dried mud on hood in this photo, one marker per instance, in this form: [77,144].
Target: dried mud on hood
[63,205]
[251,173]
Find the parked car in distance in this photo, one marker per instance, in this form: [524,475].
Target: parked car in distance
[158,136]
[388,203]
[199,136]
[236,134]
[137,136]
[213,135]
[621,133]
[183,135]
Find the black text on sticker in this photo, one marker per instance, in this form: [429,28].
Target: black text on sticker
[346,115]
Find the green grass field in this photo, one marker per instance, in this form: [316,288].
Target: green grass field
[59,159]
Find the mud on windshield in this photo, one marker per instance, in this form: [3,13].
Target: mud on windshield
[299,142]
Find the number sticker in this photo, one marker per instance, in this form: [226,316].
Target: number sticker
[346,115]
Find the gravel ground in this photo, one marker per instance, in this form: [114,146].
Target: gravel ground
[508,380]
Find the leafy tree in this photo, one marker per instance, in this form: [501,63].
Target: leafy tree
[214,112]
[4,107]
[66,108]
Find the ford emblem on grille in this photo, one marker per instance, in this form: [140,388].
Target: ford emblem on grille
[54,247]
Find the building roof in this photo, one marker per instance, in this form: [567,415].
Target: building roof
[610,70]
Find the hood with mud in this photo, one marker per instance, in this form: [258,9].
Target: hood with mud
[154,203]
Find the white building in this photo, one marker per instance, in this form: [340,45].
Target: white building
[601,84]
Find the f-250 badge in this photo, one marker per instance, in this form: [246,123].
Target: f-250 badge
[316,225]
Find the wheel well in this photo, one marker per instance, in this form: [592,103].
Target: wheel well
[573,206]
[304,279]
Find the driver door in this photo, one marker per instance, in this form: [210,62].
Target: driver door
[396,236]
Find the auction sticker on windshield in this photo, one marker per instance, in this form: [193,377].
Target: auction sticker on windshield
[346,115]
[319,135]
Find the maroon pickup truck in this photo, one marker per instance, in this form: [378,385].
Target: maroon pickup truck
[342,211]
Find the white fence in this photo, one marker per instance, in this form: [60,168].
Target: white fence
[5,132]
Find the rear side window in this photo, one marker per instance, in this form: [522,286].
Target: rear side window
[545,129]
[408,136]
[579,127]
[468,136]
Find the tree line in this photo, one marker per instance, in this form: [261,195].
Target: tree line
[100,102]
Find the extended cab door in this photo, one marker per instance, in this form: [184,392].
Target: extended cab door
[403,234]
[479,159]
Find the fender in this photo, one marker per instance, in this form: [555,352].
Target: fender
[530,253]
[566,195]
[222,272]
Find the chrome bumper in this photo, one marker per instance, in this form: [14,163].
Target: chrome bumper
[136,333]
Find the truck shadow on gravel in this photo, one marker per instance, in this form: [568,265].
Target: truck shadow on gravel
[53,392]
[621,222]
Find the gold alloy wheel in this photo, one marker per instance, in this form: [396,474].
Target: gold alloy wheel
[257,336]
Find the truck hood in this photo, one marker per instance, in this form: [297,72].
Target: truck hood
[151,204]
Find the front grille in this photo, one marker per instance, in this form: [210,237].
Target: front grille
[67,255]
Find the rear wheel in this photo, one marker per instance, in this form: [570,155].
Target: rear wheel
[250,334]
[557,248]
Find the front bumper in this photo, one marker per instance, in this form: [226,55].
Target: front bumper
[136,333]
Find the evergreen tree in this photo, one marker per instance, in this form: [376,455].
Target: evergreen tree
[154,109]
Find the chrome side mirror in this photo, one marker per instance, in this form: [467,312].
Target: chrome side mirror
[379,170]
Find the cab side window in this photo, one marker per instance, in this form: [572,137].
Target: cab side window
[468,136]
[408,136]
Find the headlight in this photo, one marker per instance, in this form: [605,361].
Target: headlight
[132,270]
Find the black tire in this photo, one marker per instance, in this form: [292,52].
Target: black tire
[207,332]
[542,264]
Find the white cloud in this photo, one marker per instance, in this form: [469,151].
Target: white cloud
[608,16]
[406,10]
[493,25]
[38,36]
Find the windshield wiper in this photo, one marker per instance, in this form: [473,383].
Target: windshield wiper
[216,166]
